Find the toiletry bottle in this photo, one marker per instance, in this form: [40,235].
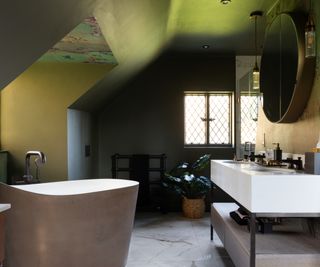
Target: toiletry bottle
[277,153]
[318,145]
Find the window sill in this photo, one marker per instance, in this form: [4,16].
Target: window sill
[210,146]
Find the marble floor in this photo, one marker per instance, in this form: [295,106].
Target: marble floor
[170,240]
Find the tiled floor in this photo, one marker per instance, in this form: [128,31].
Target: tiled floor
[171,240]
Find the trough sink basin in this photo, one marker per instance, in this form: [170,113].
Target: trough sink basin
[252,166]
[236,162]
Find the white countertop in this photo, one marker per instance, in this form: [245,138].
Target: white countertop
[268,190]
[4,207]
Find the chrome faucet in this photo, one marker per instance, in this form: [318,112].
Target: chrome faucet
[41,159]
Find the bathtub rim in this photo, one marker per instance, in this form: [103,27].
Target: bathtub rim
[43,189]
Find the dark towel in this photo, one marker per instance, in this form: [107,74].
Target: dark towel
[139,171]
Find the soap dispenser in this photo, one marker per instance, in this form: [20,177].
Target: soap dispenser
[277,152]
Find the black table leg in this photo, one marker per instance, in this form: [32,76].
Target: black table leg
[252,240]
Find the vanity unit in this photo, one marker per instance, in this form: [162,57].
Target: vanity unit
[266,192]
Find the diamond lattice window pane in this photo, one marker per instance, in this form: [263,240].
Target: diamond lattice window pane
[195,113]
[249,117]
[220,119]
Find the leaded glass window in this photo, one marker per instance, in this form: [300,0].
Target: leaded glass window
[208,118]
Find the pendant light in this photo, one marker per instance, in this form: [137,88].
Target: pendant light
[256,71]
[310,36]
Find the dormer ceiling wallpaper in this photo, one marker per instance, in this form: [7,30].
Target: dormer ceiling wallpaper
[84,44]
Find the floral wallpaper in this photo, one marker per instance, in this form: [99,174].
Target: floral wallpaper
[84,44]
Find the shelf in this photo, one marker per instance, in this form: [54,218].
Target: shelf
[287,245]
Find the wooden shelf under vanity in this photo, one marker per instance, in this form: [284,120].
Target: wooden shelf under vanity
[288,245]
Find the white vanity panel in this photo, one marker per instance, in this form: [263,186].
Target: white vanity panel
[268,190]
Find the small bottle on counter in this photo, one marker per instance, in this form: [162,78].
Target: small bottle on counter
[318,145]
[277,152]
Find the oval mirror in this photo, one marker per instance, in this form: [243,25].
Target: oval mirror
[286,75]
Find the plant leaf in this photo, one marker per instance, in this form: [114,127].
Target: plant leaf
[184,179]
[201,163]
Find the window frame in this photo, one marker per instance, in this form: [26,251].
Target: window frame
[207,127]
[250,94]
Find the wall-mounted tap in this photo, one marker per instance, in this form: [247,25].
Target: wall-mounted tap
[41,159]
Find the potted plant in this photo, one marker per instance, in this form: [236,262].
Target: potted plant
[186,181]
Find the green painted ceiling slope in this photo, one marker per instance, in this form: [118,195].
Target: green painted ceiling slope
[139,30]
[226,28]
[136,30]
[212,17]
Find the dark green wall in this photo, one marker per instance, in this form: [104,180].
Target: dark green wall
[147,117]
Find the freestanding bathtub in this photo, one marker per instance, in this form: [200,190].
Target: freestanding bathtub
[69,224]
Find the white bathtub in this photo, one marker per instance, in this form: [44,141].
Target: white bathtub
[69,224]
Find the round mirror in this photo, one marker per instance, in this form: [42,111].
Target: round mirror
[286,75]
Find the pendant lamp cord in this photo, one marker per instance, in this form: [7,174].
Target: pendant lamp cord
[310,6]
[255,38]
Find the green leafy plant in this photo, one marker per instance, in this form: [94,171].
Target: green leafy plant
[185,179]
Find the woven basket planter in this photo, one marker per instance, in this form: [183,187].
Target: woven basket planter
[193,208]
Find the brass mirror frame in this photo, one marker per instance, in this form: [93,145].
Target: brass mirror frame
[304,74]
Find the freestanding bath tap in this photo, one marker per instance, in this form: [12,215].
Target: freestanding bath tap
[41,159]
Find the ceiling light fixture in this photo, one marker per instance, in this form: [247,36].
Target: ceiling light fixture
[310,35]
[256,71]
[206,46]
[225,2]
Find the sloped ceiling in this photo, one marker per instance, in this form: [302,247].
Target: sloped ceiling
[140,30]
[136,31]
[208,22]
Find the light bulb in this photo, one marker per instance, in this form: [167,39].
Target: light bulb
[256,77]
[310,38]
